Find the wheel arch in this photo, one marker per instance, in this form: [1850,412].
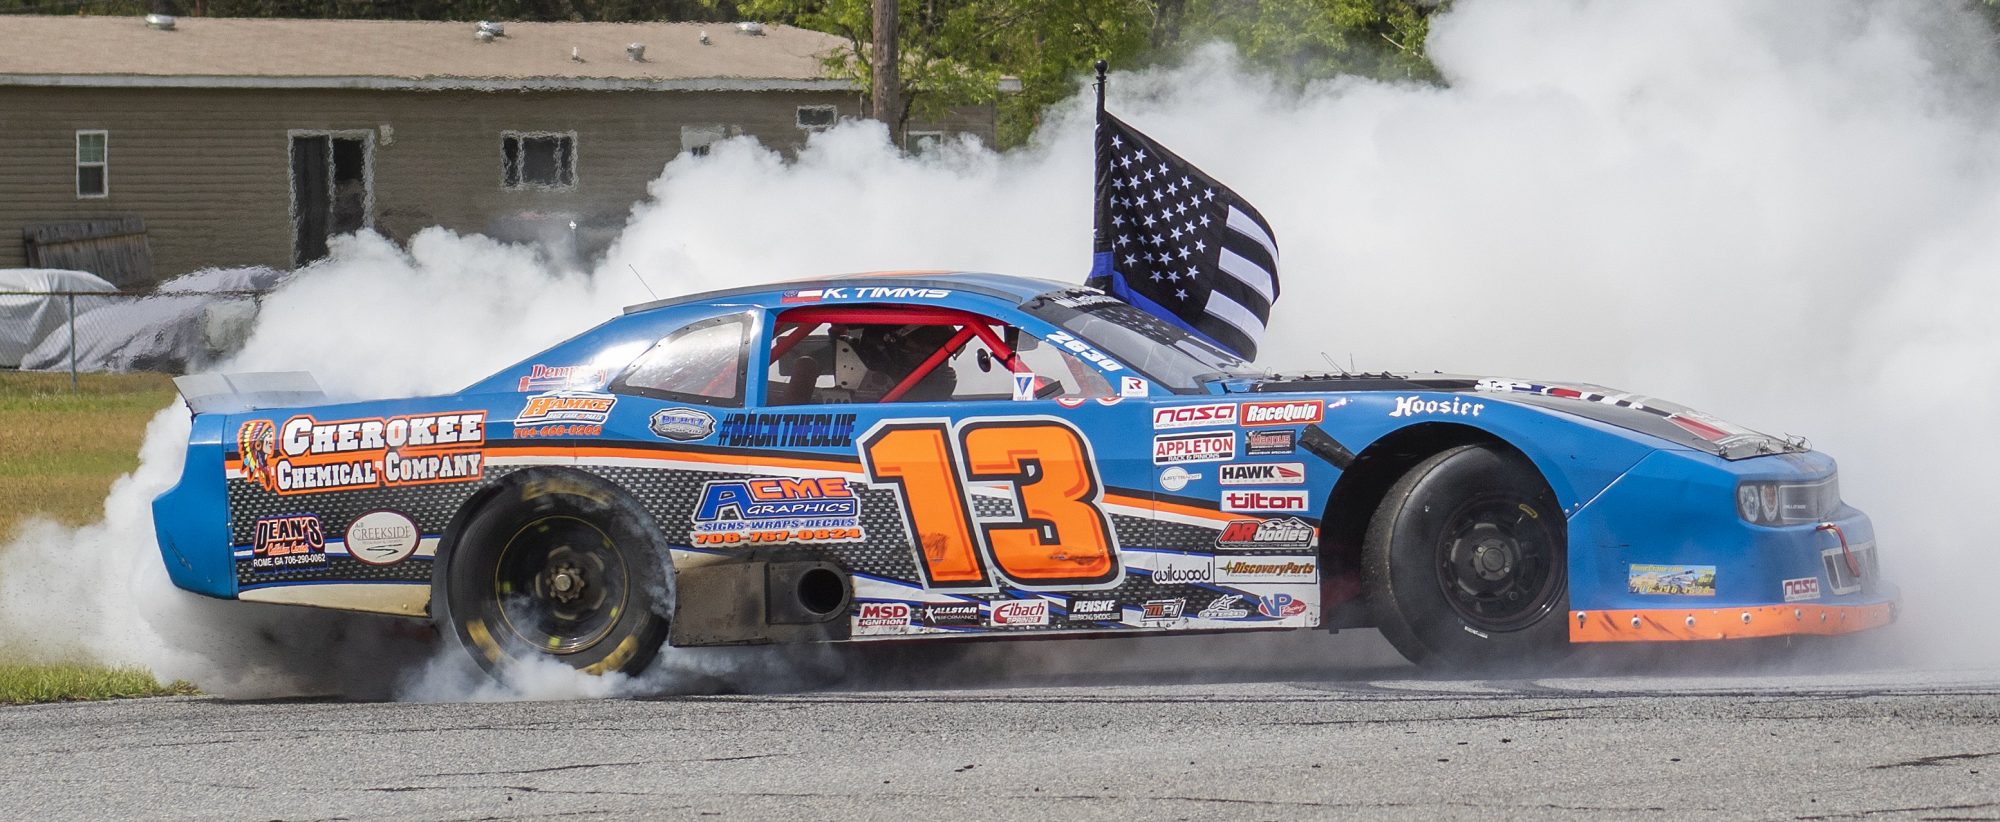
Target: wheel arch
[561,478]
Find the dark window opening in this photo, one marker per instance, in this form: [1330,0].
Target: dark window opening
[817,116]
[538,160]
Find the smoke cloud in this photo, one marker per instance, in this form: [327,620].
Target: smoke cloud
[1779,212]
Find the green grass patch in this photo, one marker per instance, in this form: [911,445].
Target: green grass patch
[28,684]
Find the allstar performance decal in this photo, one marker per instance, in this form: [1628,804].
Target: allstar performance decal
[306,455]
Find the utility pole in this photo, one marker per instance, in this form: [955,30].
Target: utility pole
[883,64]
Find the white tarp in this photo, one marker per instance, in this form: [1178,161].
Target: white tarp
[27,318]
[183,325]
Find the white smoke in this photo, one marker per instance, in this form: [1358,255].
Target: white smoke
[1779,212]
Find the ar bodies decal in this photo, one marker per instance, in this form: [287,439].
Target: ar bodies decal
[305,455]
[1062,538]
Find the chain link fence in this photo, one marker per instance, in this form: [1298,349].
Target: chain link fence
[169,331]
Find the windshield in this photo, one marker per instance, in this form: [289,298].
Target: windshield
[1168,355]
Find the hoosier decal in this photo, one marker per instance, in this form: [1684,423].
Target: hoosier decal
[787,430]
[305,455]
[777,510]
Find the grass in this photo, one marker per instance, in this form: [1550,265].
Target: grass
[60,450]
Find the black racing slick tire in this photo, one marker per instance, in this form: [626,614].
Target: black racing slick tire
[1466,563]
[558,568]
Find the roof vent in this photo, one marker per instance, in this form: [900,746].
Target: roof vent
[497,29]
[636,52]
[483,36]
[575,54]
[704,38]
[750,27]
[163,22]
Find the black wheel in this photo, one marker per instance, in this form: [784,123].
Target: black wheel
[555,568]
[1466,563]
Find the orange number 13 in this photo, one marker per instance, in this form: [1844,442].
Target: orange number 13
[1061,537]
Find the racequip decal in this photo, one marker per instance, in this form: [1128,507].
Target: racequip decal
[787,430]
[1263,443]
[1267,569]
[1200,446]
[1194,416]
[305,455]
[564,413]
[1262,473]
[563,377]
[1261,534]
[681,424]
[1412,406]
[1020,612]
[1805,588]
[1264,500]
[777,510]
[286,543]
[1672,580]
[1290,412]
[382,537]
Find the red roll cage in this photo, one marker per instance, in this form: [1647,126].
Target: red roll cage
[796,324]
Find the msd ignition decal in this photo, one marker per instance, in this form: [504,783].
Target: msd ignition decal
[1263,534]
[777,510]
[681,424]
[1020,612]
[1290,412]
[1194,416]
[1200,446]
[787,431]
[564,414]
[1265,443]
[1261,500]
[1267,569]
[868,292]
[1262,473]
[287,543]
[305,455]
[1280,606]
[882,615]
[1083,351]
[1454,407]
[563,377]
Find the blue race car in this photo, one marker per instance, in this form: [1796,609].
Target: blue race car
[891,458]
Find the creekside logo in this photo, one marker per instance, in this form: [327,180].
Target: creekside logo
[1801,589]
[1205,446]
[381,538]
[1251,501]
[1262,473]
[1194,416]
[1183,569]
[1259,534]
[1297,412]
[1412,406]
[883,615]
[1021,612]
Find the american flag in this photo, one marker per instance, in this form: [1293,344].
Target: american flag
[1176,243]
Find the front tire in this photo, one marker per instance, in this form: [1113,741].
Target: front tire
[1466,563]
[555,568]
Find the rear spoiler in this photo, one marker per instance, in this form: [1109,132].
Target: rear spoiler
[236,393]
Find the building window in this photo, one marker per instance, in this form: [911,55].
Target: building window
[538,160]
[919,143]
[695,140]
[813,118]
[93,166]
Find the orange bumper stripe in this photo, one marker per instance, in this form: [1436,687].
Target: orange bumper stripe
[1667,624]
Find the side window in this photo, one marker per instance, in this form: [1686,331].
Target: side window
[543,160]
[93,163]
[702,363]
[867,363]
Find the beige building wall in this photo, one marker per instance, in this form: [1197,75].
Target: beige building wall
[209,169]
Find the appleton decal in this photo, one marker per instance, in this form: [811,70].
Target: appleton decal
[1194,416]
[564,413]
[1290,412]
[868,292]
[1804,588]
[787,430]
[1454,407]
[1176,478]
[1261,500]
[681,424]
[1020,612]
[772,510]
[1280,606]
[1083,351]
[1262,473]
[306,455]
[1199,446]
[287,543]
[382,537]
[564,377]
[1671,580]
[1267,569]
[1270,442]
[1266,534]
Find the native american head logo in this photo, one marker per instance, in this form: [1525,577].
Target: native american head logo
[257,443]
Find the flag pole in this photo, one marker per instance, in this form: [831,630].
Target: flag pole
[1100,264]
[1102,66]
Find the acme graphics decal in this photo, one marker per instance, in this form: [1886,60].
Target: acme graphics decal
[306,455]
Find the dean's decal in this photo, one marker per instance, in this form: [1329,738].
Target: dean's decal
[681,424]
[309,455]
[1673,580]
[287,543]
[769,510]
[787,430]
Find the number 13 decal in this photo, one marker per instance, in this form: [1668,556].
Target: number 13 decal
[1061,537]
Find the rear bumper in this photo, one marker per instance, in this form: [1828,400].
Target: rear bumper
[1669,624]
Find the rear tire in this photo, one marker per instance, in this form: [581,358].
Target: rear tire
[1466,563]
[555,568]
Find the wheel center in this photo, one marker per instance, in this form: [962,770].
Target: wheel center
[565,583]
[1493,560]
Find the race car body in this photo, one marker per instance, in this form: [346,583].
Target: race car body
[921,456]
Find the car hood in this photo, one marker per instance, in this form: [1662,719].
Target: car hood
[1670,421]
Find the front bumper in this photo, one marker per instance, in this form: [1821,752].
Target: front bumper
[1664,624]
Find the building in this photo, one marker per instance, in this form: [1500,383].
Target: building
[139,150]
